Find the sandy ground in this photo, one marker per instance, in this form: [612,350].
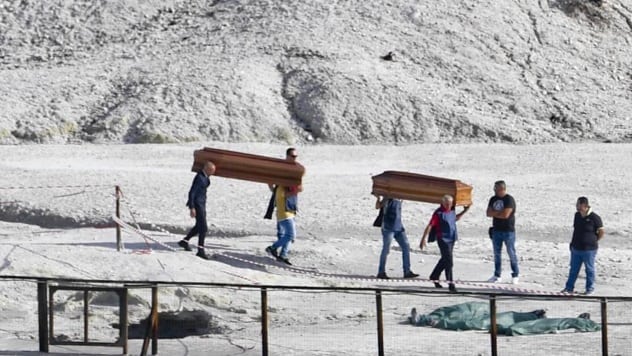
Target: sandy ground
[68,191]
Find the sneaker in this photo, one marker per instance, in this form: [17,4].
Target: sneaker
[589,292]
[382,275]
[272,251]
[413,316]
[284,260]
[452,288]
[514,280]
[494,279]
[438,285]
[201,254]
[410,274]
[566,291]
[185,245]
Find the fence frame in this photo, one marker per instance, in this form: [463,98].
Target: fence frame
[45,283]
[44,304]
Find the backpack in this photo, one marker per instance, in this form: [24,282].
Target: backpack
[432,235]
[378,220]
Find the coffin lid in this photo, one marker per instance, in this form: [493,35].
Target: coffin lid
[420,187]
[250,167]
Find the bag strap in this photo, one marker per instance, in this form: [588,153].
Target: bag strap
[270,209]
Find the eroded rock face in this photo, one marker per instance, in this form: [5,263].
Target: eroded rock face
[174,71]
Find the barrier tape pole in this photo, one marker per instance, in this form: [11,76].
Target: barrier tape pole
[117,194]
[133,214]
[128,227]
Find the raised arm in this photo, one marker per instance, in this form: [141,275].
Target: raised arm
[465,209]
[378,202]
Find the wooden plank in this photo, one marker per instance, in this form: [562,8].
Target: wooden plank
[419,187]
[250,167]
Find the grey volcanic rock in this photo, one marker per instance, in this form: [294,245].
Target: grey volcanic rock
[302,71]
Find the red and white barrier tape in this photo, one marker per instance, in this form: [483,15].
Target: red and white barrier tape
[390,280]
[129,227]
[17,187]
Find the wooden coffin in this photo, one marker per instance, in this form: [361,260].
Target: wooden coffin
[418,187]
[245,166]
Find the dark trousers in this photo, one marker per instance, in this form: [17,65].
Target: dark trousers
[200,227]
[445,263]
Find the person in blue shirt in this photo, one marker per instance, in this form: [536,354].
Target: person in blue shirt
[392,228]
[443,222]
[197,209]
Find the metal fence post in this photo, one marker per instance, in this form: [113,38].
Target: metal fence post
[604,326]
[493,328]
[51,316]
[117,193]
[123,333]
[42,314]
[380,323]
[154,318]
[151,333]
[264,322]
[85,316]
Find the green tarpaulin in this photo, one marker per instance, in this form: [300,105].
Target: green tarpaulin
[476,316]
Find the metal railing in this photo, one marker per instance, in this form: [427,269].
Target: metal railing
[45,296]
[50,285]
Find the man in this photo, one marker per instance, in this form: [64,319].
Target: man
[443,222]
[392,228]
[502,209]
[197,209]
[587,231]
[286,202]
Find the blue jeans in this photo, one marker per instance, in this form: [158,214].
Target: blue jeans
[286,232]
[587,257]
[402,240]
[509,238]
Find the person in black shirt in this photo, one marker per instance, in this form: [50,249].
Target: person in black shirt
[587,231]
[502,209]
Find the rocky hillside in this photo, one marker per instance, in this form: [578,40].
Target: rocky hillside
[521,71]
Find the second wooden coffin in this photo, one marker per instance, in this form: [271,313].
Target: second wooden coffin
[245,166]
[418,187]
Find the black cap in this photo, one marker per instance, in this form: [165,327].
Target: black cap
[582,200]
